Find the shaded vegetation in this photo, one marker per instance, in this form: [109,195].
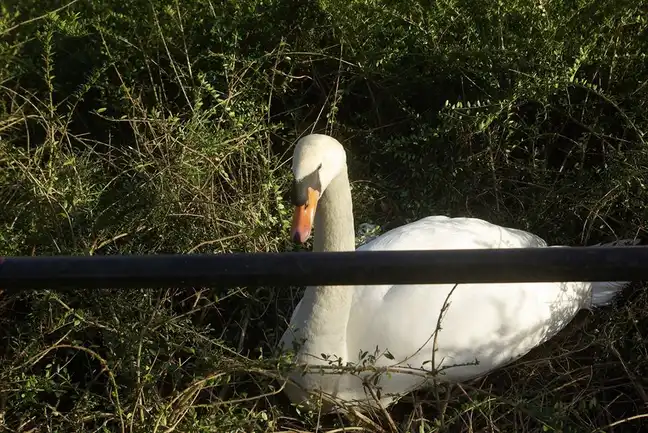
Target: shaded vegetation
[145,126]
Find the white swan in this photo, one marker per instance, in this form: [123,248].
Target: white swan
[492,324]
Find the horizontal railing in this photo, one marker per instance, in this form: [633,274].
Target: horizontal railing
[340,268]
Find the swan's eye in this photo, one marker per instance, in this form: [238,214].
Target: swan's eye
[299,193]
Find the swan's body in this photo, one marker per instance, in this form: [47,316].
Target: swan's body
[492,324]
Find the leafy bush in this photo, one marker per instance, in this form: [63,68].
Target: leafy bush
[150,126]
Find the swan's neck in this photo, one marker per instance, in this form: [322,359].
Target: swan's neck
[334,217]
[325,310]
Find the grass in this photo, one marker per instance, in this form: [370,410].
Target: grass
[150,126]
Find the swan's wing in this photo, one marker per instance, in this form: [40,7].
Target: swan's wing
[443,233]
[491,322]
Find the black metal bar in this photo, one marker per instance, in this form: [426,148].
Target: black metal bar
[344,268]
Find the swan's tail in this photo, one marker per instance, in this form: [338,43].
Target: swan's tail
[604,292]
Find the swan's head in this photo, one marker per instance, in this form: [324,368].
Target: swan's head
[317,160]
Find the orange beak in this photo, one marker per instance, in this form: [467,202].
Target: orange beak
[302,222]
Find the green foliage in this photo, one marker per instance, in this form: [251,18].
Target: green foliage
[150,126]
